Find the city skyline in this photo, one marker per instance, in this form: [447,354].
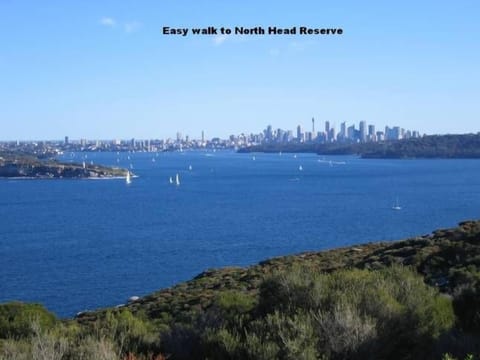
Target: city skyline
[105,70]
[327,132]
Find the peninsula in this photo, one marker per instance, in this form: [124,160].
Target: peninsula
[24,165]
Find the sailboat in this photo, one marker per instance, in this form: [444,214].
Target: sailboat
[128,178]
[300,168]
[396,206]
[177,180]
[170,180]
[190,167]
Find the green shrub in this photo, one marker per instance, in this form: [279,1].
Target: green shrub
[390,312]
[16,319]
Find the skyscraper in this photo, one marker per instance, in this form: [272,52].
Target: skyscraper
[371,133]
[363,131]
[269,133]
[351,133]
[327,129]
[299,134]
[343,131]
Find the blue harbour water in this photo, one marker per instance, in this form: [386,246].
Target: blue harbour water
[83,244]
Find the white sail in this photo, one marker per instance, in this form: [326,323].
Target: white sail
[396,206]
[128,178]
[177,180]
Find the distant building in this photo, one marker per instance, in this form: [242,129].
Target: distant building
[300,135]
[343,131]
[331,135]
[351,133]
[363,131]
[308,136]
[371,133]
[269,133]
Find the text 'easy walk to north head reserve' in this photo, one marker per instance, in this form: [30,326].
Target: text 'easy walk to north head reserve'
[257,30]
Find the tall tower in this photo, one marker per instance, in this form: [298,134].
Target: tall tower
[313,129]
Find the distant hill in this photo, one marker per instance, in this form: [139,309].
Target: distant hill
[432,146]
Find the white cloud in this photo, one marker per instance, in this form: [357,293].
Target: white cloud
[219,39]
[132,26]
[108,21]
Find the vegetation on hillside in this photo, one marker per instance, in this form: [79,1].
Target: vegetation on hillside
[417,298]
[18,164]
[432,146]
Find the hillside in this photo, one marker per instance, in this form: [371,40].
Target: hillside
[408,299]
[446,259]
[24,165]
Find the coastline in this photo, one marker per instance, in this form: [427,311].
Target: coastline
[198,293]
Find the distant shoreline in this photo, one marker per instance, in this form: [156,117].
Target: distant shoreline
[428,147]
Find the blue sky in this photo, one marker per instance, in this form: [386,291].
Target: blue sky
[102,69]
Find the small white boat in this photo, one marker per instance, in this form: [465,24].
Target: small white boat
[253,158]
[177,180]
[170,180]
[128,178]
[190,167]
[396,206]
[300,168]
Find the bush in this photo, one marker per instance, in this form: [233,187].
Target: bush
[389,313]
[16,319]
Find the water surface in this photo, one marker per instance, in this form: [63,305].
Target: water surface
[82,244]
